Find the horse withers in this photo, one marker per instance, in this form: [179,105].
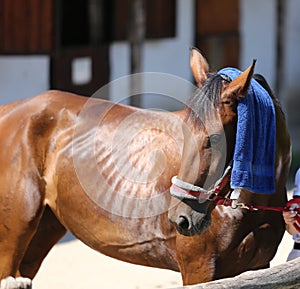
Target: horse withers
[103,171]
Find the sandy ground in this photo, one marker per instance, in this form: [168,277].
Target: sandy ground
[73,265]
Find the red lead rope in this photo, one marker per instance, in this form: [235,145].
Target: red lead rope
[293,205]
[184,190]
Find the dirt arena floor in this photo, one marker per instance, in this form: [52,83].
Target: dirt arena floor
[73,265]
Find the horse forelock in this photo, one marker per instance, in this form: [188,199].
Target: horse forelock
[202,105]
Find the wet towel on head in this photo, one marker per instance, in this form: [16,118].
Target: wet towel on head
[254,153]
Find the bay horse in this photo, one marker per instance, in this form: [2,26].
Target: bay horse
[103,171]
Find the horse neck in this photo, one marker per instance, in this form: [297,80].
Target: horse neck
[283,147]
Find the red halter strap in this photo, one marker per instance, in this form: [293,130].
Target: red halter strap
[184,190]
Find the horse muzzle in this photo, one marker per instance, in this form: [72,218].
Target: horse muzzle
[188,221]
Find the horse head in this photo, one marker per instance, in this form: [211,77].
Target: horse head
[209,133]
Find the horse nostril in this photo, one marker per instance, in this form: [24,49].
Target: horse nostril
[183,223]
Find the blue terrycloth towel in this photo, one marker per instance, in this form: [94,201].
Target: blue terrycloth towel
[254,153]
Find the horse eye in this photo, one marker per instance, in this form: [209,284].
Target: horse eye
[227,102]
[215,139]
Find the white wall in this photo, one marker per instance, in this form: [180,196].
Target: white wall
[291,87]
[258,36]
[258,40]
[167,56]
[23,76]
[292,57]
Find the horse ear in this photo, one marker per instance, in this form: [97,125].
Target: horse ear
[238,88]
[199,66]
